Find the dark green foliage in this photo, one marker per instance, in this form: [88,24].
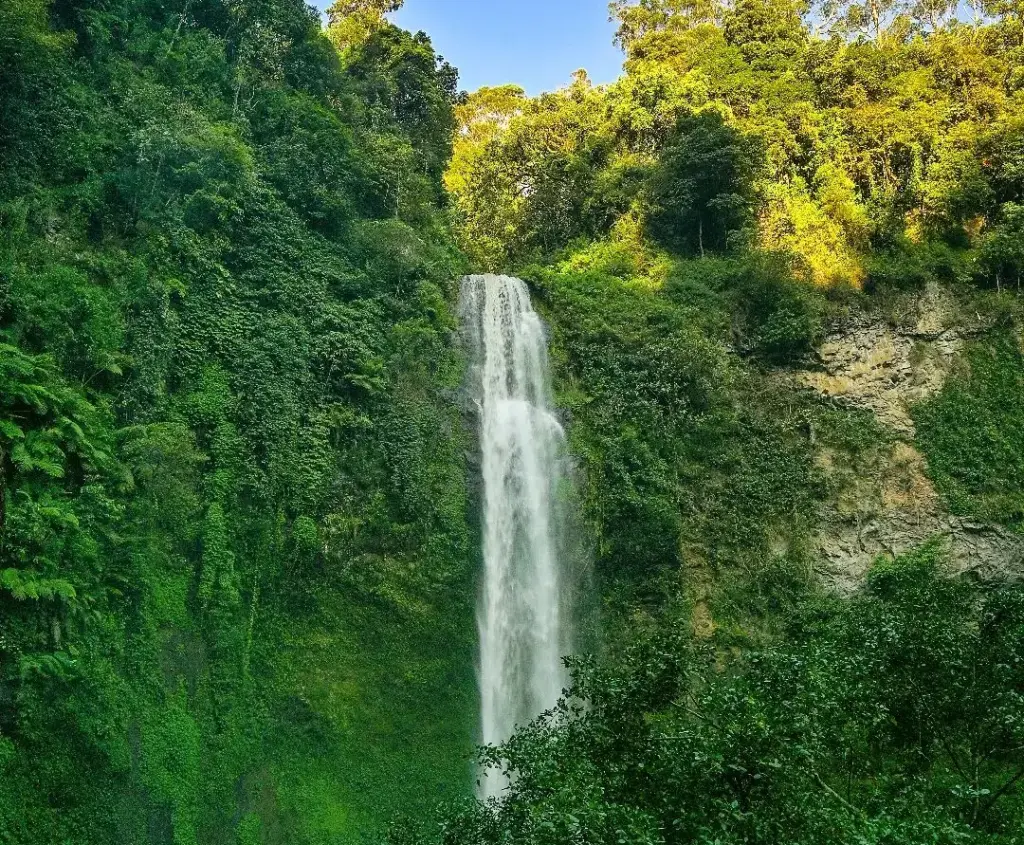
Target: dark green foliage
[1002,250]
[308,155]
[773,316]
[702,193]
[783,319]
[34,102]
[688,459]
[909,266]
[408,90]
[893,717]
[973,433]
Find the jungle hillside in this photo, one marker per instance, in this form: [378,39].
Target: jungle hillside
[779,263]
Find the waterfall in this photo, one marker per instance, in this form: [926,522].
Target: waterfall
[520,619]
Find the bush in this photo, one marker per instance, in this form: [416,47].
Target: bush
[774,316]
[910,266]
[973,434]
[857,727]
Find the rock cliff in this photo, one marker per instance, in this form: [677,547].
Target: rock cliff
[885,503]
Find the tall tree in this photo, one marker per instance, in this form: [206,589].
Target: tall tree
[702,193]
[638,19]
[351,22]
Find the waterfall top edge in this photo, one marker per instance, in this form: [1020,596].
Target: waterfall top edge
[491,277]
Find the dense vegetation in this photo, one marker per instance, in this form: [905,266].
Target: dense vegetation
[973,433]
[739,124]
[890,718]
[236,535]
[235,553]
[761,175]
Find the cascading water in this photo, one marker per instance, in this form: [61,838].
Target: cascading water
[522,629]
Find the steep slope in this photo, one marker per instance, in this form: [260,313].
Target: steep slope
[235,567]
[771,260]
[777,259]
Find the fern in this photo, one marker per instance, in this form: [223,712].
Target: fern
[24,585]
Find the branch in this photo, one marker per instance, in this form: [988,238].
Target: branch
[833,793]
[999,793]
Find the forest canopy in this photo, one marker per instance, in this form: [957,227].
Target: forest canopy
[831,133]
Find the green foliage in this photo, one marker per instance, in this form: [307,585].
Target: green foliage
[770,34]
[890,717]
[528,177]
[688,459]
[228,457]
[773,316]
[702,192]
[410,90]
[909,266]
[973,434]
[746,125]
[1002,253]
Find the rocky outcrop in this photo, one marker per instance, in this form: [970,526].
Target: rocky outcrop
[884,504]
[899,512]
[886,368]
[990,553]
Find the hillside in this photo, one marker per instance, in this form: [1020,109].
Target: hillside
[236,578]
[780,262]
[782,274]
[779,266]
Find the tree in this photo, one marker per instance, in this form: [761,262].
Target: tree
[639,19]
[934,15]
[769,33]
[410,91]
[870,18]
[351,22]
[1010,14]
[702,194]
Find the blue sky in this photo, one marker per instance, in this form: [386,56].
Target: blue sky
[534,43]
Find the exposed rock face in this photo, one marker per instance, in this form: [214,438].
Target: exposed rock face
[896,510]
[886,504]
[887,369]
[990,552]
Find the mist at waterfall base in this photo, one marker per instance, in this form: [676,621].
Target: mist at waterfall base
[524,609]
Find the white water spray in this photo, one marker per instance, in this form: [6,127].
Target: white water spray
[522,631]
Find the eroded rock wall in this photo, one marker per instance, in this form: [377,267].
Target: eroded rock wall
[885,503]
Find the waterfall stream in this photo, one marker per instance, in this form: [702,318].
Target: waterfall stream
[520,618]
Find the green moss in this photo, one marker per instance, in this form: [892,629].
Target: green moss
[972,433]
